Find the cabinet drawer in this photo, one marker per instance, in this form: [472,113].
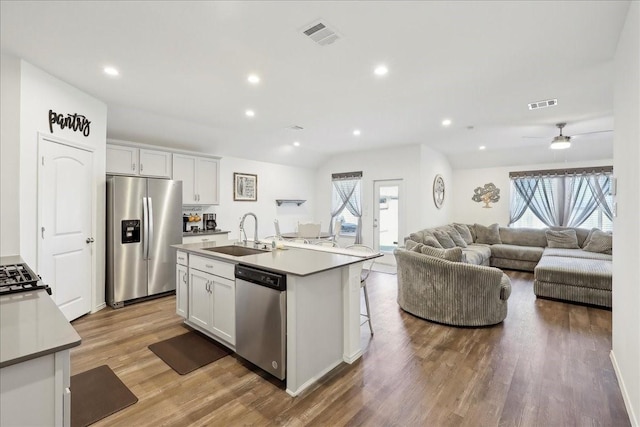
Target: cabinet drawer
[212,266]
[181,258]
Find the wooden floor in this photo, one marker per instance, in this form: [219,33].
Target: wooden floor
[546,365]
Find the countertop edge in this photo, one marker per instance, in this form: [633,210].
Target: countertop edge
[39,354]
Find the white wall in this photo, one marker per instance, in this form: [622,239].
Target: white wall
[274,182]
[40,92]
[9,155]
[626,269]
[465,181]
[416,165]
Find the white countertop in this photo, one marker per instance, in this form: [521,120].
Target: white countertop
[32,325]
[203,233]
[296,259]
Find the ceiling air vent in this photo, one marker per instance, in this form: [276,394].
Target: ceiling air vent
[321,34]
[543,104]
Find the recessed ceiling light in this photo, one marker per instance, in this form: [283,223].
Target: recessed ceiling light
[446,122]
[482,147]
[111,71]
[381,70]
[356,132]
[253,79]
[296,144]
[250,113]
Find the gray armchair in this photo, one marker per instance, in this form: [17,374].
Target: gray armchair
[453,293]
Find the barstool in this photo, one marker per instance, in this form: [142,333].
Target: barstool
[363,283]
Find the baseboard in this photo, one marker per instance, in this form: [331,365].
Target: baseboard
[313,380]
[623,389]
[99,307]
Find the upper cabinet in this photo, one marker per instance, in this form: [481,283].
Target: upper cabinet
[200,179]
[123,160]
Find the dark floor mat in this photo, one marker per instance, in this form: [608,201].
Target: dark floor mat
[96,394]
[188,352]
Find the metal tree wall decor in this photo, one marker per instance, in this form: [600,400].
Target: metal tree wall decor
[487,194]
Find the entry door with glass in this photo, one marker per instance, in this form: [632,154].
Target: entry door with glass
[387,218]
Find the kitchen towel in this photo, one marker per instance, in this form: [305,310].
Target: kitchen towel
[96,394]
[188,352]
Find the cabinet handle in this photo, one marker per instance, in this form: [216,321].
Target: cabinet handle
[184,278]
[208,265]
[195,197]
[140,167]
[133,166]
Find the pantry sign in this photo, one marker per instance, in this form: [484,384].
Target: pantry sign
[75,122]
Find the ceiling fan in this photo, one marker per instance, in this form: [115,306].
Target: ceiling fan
[561,142]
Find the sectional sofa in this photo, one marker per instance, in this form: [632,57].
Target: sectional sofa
[571,264]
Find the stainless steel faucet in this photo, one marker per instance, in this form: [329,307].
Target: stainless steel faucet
[255,235]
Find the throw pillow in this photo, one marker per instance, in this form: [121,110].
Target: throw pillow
[488,235]
[433,242]
[565,239]
[417,248]
[464,232]
[409,244]
[444,239]
[456,237]
[586,240]
[600,242]
[452,254]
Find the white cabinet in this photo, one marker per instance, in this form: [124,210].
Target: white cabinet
[200,179]
[155,163]
[212,297]
[224,309]
[45,380]
[200,299]
[182,291]
[123,160]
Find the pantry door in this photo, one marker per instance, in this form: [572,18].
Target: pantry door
[65,215]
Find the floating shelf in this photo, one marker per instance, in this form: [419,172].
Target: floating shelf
[297,202]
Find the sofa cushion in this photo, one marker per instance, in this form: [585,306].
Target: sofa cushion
[410,244]
[477,254]
[575,253]
[581,233]
[581,272]
[433,242]
[599,241]
[523,236]
[444,239]
[566,239]
[465,233]
[522,253]
[489,235]
[453,254]
[456,237]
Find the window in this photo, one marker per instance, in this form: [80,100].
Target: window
[346,202]
[570,198]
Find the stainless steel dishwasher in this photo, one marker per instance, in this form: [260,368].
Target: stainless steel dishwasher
[261,318]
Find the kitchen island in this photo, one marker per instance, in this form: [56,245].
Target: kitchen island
[322,302]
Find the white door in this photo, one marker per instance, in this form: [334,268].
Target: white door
[65,202]
[388,230]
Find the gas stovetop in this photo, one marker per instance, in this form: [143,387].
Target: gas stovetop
[16,278]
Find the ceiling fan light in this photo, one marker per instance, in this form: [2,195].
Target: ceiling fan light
[560,142]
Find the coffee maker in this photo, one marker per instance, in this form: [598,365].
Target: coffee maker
[209,221]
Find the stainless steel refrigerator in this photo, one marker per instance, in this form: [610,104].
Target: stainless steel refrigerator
[144,217]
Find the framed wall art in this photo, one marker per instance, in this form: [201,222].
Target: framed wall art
[438,191]
[245,187]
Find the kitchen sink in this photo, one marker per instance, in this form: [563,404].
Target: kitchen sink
[234,250]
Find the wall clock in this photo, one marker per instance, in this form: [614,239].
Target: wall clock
[438,191]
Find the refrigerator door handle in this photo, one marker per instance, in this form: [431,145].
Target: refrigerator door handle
[150,229]
[145,229]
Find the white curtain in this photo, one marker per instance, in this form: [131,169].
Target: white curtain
[348,191]
[566,201]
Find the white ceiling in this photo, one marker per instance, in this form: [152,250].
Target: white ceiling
[184,67]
